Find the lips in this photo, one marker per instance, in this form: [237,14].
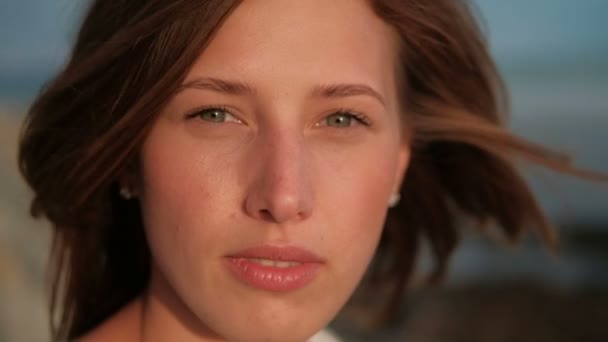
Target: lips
[274,268]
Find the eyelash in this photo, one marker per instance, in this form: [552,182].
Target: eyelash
[196,112]
[358,116]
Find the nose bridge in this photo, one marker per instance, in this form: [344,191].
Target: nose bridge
[281,190]
[283,156]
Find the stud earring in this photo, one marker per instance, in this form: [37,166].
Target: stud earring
[126,193]
[392,202]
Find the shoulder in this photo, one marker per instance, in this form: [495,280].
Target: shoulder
[122,326]
[325,335]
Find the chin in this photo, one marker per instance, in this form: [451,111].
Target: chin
[271,323]
[271,333]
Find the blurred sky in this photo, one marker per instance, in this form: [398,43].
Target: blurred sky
[524,34]
[554,54]
[36,34]
[541,30]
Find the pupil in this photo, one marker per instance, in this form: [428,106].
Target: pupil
[214,115]
[340,121]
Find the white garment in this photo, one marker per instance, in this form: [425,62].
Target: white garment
[325,335]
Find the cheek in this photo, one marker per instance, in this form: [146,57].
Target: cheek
[180,186]
[354,202]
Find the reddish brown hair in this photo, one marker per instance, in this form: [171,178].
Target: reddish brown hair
[130,56]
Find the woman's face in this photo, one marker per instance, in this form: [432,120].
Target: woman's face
[265,181]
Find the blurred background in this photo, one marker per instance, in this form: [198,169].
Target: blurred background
[554,56]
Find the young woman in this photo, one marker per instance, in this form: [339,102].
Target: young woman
[226,171]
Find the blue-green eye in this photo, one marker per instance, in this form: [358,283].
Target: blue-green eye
[342,119]
[339,120]
[215,115]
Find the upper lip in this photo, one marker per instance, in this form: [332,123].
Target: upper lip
[278,253]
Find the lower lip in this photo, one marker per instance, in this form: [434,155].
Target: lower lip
[271,278]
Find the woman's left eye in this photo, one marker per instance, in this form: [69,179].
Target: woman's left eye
[342,119]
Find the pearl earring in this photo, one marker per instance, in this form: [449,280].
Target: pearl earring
[126,193]
[392,202]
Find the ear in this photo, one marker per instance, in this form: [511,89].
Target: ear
[128,183]
[403,161]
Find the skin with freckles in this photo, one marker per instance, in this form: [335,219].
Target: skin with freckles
[286,133]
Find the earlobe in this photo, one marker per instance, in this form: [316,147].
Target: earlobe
[126,192]
[403,160]
[127,185]
[394,200]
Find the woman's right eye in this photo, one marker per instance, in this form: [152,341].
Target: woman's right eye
[214,115]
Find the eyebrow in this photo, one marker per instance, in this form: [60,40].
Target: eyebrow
[218,85]
[333,90]
[338,90]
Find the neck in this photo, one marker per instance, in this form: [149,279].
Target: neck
[166,318]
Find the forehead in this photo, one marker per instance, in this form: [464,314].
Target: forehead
[295,41]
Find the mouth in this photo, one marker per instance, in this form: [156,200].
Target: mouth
[274,263]
[273,268]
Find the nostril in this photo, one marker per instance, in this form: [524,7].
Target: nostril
[266,215]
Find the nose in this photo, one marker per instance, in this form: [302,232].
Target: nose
[280,190]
